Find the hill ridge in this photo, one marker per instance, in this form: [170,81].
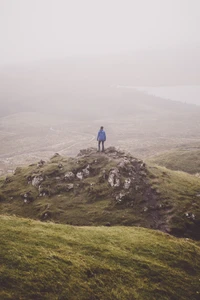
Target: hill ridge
[110,188]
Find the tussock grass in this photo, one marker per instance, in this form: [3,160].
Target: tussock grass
[181,160]
[180,196]
[51,261]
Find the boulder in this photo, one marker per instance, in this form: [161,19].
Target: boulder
[69,176]
[120,197]
[86,171]
[69,187]
[127,183]
[79,175]
[41,163]
[36,180]
[114,178]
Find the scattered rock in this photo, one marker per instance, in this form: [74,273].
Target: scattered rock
[88,151]
[7,180]
[29,179]
[69,176]
[69,187]
[56,155]
[190,215]
[127,183]
[37,180]
[120,197]
[17,170]
[86,171]
[108,224]
[79,175]
[113,178]
[45,215]
[41,163]
[143,173]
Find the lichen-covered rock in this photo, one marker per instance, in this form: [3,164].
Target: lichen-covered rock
[103,176]
[69,187]
[79,175]
[86,171]
[114,178]
[88,151]
[37,180]
[41,163]
[120,196]
[127,183]
[56,155]
[69,176]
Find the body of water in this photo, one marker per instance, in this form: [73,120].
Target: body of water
[184,93]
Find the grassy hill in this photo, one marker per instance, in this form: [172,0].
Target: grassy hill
[52,261]
[113,188]
[187,160]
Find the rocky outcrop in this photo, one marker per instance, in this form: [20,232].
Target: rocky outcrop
[114,178]
[69,176]
[119,180]
[36,180]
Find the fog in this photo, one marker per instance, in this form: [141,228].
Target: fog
[42,29]
[65,67]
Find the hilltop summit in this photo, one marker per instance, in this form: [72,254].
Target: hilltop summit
[95,188]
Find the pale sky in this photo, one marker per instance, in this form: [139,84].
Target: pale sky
[42,29]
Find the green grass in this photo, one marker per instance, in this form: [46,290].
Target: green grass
[53,261]
[179,192]
[162,201]
[181,160]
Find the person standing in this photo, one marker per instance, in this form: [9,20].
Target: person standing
[101,138]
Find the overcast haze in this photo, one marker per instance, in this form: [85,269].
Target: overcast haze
[42,29]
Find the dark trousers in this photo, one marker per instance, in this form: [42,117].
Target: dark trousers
[99,145]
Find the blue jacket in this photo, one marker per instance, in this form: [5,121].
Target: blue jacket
[101,135]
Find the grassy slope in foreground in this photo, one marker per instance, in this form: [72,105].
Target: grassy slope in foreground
[51,261]
[180,193]
[182,160]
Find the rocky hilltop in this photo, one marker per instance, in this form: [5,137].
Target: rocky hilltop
[110,188]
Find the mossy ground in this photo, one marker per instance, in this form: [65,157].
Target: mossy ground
[180,194]
[187,160]
[53,261]
[92,202]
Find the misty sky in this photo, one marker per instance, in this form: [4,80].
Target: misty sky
[39,29]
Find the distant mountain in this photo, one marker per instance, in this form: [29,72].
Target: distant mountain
[104,189]
[86,86]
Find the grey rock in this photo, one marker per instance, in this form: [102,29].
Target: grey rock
[86,171]
[127,183]
[69,187]
[69,176]
[113,178]
[79,175]
[120,197]
[37,180]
